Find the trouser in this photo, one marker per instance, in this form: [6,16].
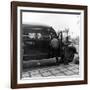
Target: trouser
[54,52]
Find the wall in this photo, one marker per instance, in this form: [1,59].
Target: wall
[5,44]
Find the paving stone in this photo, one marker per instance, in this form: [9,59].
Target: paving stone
[60,74]
[69,73]
[25,74]
[71,68]
[76,66]
[65,66]
[63,69]
[76,70]
[54,72]
[35,72]
[51,69]
[43,70]
[45,74]
[36,75]
[71,64]
[59,68]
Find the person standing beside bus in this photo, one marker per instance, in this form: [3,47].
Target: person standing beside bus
[54,47]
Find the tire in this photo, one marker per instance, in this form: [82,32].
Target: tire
[71,58]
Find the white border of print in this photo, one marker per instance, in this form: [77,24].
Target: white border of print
[59,78]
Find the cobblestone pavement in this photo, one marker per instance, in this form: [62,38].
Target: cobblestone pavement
[52,70]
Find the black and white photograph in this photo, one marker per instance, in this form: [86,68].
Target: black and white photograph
[50,44]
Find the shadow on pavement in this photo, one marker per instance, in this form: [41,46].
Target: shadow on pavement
[39,64]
